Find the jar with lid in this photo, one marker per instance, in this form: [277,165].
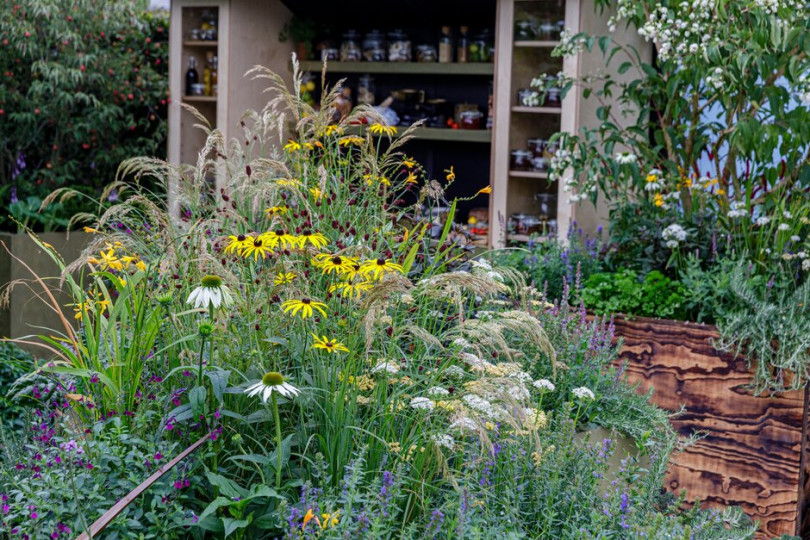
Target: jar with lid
[520,223]
[480,47]
[470,119]
[330,53]
[374,47]
[524,29]
[546,30]
[536,146]
[399,47]
[463,46]
[528,97]
[426,53]
[520,160]
[366,90]
[560,28]
[350,47]
[553,96]
[539,163]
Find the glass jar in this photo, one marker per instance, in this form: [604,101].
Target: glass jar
[350,47]
[480,47]
[539,163]
[553,97]
[470,120]
[330,54]
[519,223]
[536,146]
[426,53]
[366,90]
[528,97]
[520,160]
[524,30]
[560,28]
[546,30]
[399,47]
[374,47]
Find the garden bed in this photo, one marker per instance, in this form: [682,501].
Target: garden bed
[752,454]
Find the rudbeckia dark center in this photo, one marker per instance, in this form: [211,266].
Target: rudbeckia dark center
[241,238]
[279,233]
[257,243]
[305,300]
[380,262]
[330,344]
[337,260]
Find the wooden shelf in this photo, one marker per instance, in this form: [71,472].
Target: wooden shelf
[528,174]
[200,99]
[440,134]
[200,43]
[537,110]
[411,68]
[525,238]
[534,43]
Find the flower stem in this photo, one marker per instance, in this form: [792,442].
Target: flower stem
[200,371]
[274,405]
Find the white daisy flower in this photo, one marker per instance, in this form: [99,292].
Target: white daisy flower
[763,220]
[784,227]
[270,383]
[795,238]
[210,293]
[544,384]
[583,393]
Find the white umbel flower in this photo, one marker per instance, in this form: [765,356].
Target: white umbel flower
[583,393]
[544,385]
[210,293]
[422,403]
[272,382]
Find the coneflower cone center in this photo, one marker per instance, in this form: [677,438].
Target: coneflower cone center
[211,282]
[273,378]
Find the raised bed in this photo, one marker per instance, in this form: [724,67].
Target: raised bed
[753,454]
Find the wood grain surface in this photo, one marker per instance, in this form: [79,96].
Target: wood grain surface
[751,455]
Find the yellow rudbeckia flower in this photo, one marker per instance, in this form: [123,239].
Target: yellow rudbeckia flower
[380,129]
[378,267]
[328,345]
[282,278]
[305,306]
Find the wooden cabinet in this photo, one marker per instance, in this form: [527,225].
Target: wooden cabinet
[518,60]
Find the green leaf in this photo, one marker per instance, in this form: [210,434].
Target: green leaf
[227,486]
[232,525]
[197,397]
[219,381]
[623,67]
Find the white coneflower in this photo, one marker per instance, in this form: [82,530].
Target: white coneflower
[625,158]
[422,403]
[271,383]
[210,294]
[583,393]
[544,385]
[762,221]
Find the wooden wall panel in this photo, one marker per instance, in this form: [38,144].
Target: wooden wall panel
[752,453]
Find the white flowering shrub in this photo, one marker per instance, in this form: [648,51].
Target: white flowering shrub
[711,134]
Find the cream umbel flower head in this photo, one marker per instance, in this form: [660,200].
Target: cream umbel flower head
[272,382]
[211,292]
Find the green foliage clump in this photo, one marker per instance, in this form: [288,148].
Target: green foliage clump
[83,89]
[623,292]
[14,363]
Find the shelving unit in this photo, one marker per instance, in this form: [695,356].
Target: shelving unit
[517,63]
[453,135]
[185,140]
[402,68]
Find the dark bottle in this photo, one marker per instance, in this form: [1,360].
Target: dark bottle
[192,77]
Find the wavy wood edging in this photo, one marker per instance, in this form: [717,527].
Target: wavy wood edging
[753,452]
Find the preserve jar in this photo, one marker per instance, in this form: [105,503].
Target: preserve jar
[426,53]
[539,163]
[330,54]
[546,30]
[374,47]
[399,47]
[470,120]
[481,47]
[350,47]
[536,146]
[528,97]
[366,90]
[524,30]
[553,95]
[519,223]
[520,160]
